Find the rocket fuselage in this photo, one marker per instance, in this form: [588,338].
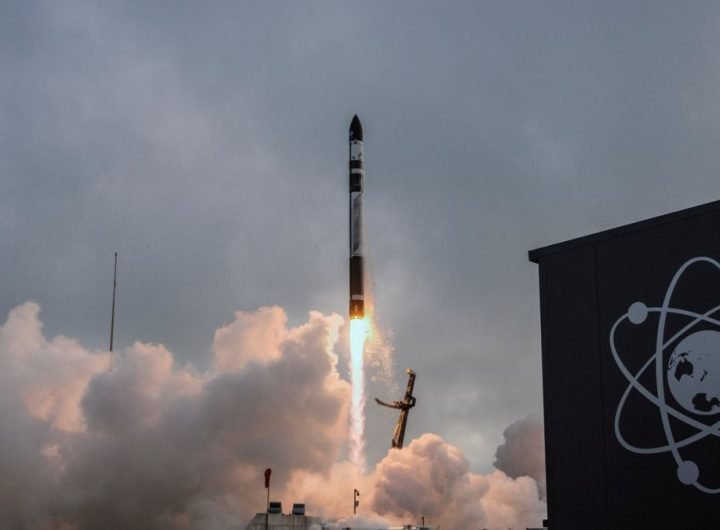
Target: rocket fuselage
[357,176]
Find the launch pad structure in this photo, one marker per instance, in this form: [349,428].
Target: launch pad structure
[404,407]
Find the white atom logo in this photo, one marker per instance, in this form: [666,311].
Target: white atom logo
[692,375]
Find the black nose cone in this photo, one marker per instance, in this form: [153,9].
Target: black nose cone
[356,129]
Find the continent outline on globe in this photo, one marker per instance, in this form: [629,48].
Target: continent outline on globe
[692,375]
[693,372]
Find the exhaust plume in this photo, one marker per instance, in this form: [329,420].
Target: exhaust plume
[523,453]
[358,335]
[432,478]
[157,445]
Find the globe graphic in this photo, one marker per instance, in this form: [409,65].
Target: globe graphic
[693,373]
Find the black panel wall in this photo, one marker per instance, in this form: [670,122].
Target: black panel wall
[632,421]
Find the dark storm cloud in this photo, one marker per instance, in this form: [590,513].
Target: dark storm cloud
[206,143]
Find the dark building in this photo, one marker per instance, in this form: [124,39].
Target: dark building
[631,374]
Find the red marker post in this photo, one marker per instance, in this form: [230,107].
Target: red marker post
[268,472]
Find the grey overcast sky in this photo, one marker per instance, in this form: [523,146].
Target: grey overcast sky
[206,142]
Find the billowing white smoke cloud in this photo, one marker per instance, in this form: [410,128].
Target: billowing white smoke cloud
[432,478]
[155,445]
[159,446]
[523,453]
[49,376]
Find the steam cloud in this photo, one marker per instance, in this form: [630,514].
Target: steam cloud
[156,445]
[523,453]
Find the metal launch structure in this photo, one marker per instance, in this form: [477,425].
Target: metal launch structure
[404,407]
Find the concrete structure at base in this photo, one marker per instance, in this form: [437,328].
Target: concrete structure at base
[284,521]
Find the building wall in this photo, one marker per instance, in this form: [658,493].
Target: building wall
[619,433]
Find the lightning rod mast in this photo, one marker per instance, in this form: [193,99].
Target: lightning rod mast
[112,314]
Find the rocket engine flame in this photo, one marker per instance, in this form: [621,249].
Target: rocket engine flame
[358,335]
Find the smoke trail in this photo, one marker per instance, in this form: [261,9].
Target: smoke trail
[161,446]
[358,334]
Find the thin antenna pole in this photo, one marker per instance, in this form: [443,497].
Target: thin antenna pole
[112,315]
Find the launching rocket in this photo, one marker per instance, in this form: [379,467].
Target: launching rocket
[357,175]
